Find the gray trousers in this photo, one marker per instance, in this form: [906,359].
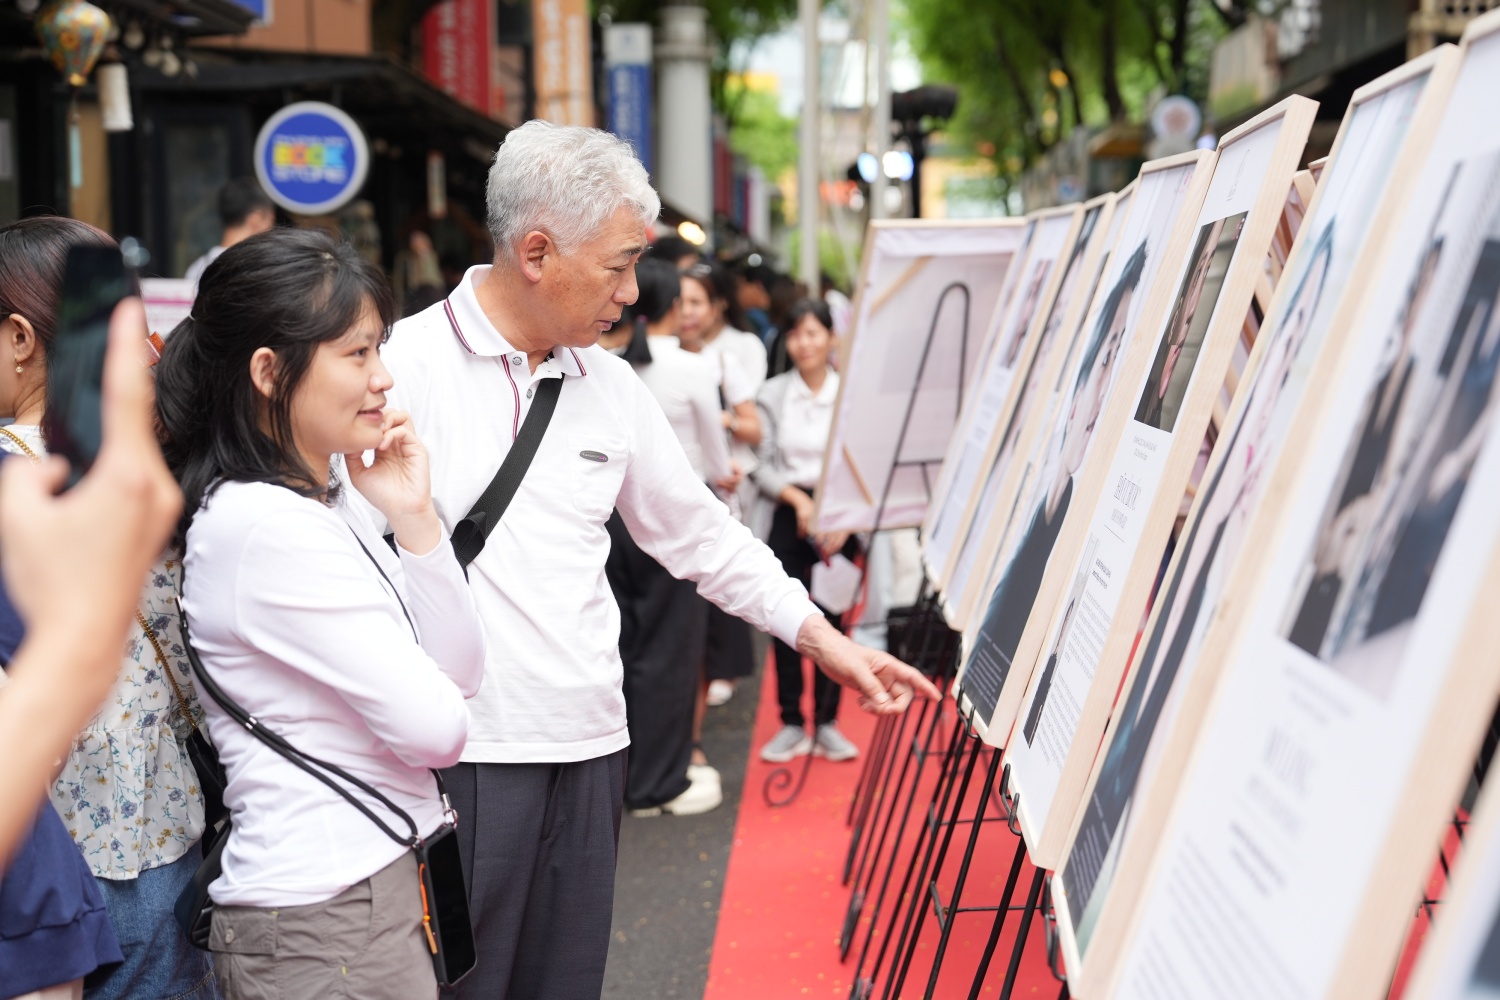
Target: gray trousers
[539,843]
[366,943]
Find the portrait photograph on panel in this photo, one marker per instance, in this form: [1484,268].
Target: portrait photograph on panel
[1422,425]
[1172,368]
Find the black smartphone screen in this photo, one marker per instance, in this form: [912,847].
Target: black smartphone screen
[95,279]
[446,880]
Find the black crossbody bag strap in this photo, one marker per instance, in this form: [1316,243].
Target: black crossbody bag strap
[470,534]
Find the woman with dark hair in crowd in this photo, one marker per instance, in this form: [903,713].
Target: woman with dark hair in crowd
[127,792]
[796,410]
[663,621]
[355,653]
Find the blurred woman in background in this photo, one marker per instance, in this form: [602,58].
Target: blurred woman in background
[127,793]
[796,411]
[663,622]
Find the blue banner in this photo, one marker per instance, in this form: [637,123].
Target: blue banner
[630,108]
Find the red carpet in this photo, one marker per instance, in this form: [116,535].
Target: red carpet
[783,904]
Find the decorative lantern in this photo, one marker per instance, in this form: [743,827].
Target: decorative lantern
[74,33]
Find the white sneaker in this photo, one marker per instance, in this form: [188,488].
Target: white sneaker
[833,744]
[704,794]
[719,693]
[790,743]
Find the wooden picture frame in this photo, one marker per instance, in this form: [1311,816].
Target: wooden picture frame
[920,281]
[1057,234]
[1099,880]
[1109,350]
[1147,449]
[1352,668]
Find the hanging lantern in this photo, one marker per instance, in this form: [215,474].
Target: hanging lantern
[74,33]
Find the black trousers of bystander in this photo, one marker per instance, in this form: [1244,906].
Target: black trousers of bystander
[663,633]
[798,557]
[539,844]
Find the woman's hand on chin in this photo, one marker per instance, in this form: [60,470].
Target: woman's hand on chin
[399,484]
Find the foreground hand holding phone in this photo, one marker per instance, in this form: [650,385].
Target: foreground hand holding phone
[73,563]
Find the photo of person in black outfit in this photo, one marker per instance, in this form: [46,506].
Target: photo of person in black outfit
[1357,496]
[1013,598]
[1170,374]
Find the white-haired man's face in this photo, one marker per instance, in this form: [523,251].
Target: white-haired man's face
[580,294]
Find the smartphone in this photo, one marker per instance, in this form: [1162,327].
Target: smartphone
[95,279]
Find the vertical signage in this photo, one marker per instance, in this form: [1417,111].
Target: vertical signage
[457,43]
[627,61]
[564,75]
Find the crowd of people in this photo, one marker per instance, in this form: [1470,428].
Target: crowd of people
[340,591]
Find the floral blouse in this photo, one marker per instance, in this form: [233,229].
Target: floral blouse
[128,793]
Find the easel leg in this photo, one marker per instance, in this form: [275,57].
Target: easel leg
[911,797]
[921,893]
[963,874]
[923,848]
[1015,954]
[1000,914]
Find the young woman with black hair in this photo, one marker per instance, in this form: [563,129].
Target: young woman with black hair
[351,652]
[663,621]
[796,411]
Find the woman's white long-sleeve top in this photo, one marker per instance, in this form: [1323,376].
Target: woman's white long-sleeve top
[294,621]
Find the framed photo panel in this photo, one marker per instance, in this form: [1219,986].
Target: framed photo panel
[927,290]
[1055,343]
[1030,509]
[1112,832]
[1344,718]
[1061,235]
[1151,436]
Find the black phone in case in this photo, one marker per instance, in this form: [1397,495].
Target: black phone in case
[95,280]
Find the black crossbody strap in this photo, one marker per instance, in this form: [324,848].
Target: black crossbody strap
[302,760]
[470,534]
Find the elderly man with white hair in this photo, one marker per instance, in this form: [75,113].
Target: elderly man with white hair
[539,791]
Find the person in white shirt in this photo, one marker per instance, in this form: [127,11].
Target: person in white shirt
[663,621]
[353,653]
[244,211]
[543,772]
[797,416]
[741,358]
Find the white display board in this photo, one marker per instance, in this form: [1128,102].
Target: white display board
[1029,405]
[1152,437]
[1058,232]
[920,280]
[1313,287]
[1153,241]
[1360,668]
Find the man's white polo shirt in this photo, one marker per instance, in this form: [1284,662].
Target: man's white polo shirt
[552,687]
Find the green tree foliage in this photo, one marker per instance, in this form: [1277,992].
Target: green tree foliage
[1029,71]
[762,134]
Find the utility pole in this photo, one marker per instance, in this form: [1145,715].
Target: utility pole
[808,172]
[880,120]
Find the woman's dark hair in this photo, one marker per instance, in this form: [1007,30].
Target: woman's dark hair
[816,308]
[289,290]
[1130,277]
[660,286]
[721,286]
[33,253]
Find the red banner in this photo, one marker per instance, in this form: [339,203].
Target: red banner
[457,51]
